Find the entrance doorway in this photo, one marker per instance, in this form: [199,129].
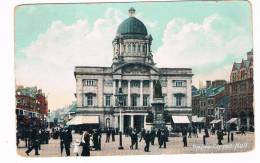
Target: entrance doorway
[138,122]
[127,121]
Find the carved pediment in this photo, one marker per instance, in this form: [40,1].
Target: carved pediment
[136,69]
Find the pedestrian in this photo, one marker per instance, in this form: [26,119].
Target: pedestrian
[195,132]
[67,141]
[163,139]
[184,136]
[85,144]
[206,135]
[61,134]
[107,135]
[134,139]
[166,134]
[189,130]
[113,134]
[232,136]
[219,137]
[199,129]
[142,134]
[95,139]
[152,136]
[147,141]
[99,139]
[76,146]
[158,134]
[127,133]
[35,142]
[243,130]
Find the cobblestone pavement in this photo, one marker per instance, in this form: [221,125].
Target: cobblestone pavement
[241,143]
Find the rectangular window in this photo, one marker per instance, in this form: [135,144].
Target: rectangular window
[178,100]
[135,100]
[90,82]
[179,83]
[135,84]
[145,100]
[107,100]
[89,100]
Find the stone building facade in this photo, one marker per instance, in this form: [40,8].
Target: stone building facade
[133,70]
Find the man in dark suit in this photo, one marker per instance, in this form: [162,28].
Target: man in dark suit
[147,141]
[67,141]
[35,142]
[184,136]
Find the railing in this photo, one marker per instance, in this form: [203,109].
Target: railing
[133,108]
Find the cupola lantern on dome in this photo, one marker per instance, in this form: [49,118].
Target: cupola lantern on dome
[131,12]
[132,42]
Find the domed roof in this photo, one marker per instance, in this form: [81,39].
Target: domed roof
[132,25]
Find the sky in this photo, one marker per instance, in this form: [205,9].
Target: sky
[51,39]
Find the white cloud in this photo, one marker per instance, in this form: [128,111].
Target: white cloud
[50,59]
[191,44]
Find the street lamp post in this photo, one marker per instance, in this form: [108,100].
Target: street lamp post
[120,97]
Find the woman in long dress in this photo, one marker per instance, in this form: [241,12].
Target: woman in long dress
[85,144]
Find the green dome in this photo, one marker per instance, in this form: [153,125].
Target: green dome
[131,26]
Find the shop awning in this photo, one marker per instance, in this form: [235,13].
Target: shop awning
[180,119]
[201,120]
[196,119]
[83,119]
[232,120]
[215,121]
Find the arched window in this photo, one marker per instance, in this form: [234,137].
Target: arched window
[128,48]
[139,48]
[124,50]
[144,48]
[134,47]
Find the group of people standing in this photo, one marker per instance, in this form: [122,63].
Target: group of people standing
[84,143]
[39,136]
[110,132]
[33,139]
[149,137]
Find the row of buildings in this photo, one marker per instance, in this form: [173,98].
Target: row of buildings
[31,107]
[133,71]
[222,102]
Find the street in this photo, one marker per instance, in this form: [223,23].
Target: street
[241,143]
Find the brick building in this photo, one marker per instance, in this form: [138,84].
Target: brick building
[241,91]
[31,107]
[211,102]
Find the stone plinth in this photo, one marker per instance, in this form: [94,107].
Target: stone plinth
[158,109]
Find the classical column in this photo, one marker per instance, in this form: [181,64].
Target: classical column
[119,83]
[129,93]
[115,122]
[151,91]
[132,121]
[141,92]
[120,48]
[114,93]
[145,122]
[121,123]
[147,49]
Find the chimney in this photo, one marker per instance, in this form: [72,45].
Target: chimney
[208,83]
